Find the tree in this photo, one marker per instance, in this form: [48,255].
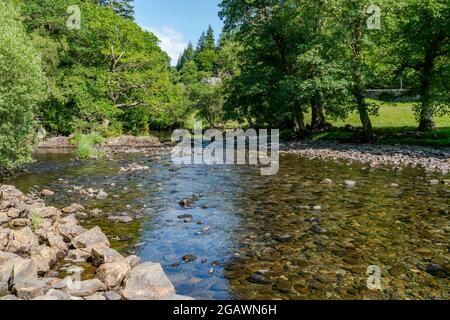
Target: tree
[210,42]
[424,48]
[21,88]
[186,56]
[124,8]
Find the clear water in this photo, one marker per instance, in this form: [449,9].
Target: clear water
[261,224]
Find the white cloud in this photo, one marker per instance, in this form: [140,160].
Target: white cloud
[172,41]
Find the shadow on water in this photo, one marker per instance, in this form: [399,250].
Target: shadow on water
[258,237]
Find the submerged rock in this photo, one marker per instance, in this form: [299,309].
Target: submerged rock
[147,282]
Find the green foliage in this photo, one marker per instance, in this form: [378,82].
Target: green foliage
[22,86]
[36,219]
[86,145]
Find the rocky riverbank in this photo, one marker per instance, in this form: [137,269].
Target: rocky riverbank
[396,156]
[38,243]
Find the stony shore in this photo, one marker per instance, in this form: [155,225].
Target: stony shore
[36,240]
[374,156]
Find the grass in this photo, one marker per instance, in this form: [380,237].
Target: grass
[36,219]
[395,124]
[85,145]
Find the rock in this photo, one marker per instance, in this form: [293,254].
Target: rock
[395,185]
[259,277]
[4,238]
[4,288]
[49,213]
[69,232]
[132,260]
[185,216]
[112,296]
[54,294]
[4,218]
[22,241]
[96,297]
[14,213]
[349,184]
[84,288]
[19,223]
[57,243]
[30,289]
[121,219]
[327,181]
[102,195]
[318,229]
[147,281]
[282,237]
[94,213]
[446,182]
[44,257]
[78,256]
[189,258]
[176,297]
[434,182]
[7,261]
[23,271]
[283,286]
[112,274]
[9,297]
[47,193]
[317,208]
[92,238]
[73,208]
[100,256]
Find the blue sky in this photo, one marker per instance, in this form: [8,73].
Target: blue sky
[176,22]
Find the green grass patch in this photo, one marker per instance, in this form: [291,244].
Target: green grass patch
[85,145]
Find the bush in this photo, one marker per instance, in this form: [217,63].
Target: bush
[85,143]
[21,88]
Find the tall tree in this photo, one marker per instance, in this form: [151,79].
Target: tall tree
[423,44]
[124,8]
[187,55]
[22,86]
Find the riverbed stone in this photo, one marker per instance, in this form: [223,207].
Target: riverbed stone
[24,270]
[69,232]
[112,274]
[100,256]
[19,223]
[9,297]
[78,255]
[44,257]
[132,260]
[47,193]
[85,288]
[112,296]
[22,241]
[57,243]
[30,289]
[4,238]
[73,208]
[96,297]
[147,281]
[349,184]
[92,238]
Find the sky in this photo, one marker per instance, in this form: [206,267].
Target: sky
[176,22]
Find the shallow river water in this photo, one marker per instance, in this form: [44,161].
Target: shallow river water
[258,237]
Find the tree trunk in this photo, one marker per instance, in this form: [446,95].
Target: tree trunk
[318,115]
[426,111]
[300,121]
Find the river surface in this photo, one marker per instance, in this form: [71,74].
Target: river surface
[258,237]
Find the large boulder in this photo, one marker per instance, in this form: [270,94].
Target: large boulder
[7,261]
[70,232]
[78,255]
[4,219]
[31,289]
[44,257]
[22,241]
[112,274]
[147,281]
[132,260]
[24,270]
[93,238]
[84,288]
[100,256]
[49,213]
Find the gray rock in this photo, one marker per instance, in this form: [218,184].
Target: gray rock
[49,213]
[57,243]
[92,238]
[44,257]
[19,223]
[22,241]
[84,288]
[349,183]
[73,208]
[23,271]
[102,195]
[4,288]
[31,289]
[132,260]
[96,297]
[147,281]
[318,229]
[113,274]
[69,232]
[47,193]
[100,256]
[4,238]
[9,297]
[112,296]
[327,181]
[78,255]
